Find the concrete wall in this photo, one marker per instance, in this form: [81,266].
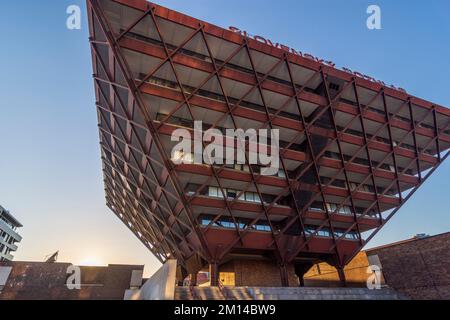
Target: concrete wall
[160,286]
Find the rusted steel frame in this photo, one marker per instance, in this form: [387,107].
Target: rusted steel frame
[334,177]
[94,6]
[367,177]
[278,111]
[128,119]
[185,97]
[157,254]
[264,124]
[401,204]
[169,57]
[214,125]
[388,121]
[327,106]
[153,235]
[413,127]
[436,128]
[340,171]
[165,246]
[257,218]
[315,197]
[91,40]
[139,188]
[281,152]
[266,212]
[402,172]
[113,169]
[281,158]
[366,146]
[138,20]
[194,92]
[142,223]
[145,179]
[414,159]
[405,169]
[337,133]
[316,168]
[352,158]
[280,194]
[173,247]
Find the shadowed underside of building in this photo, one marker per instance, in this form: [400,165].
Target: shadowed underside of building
[352,150]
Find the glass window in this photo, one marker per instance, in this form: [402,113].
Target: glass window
[213,192]
[323,233]
[231,193]
[261,227]
[331,207]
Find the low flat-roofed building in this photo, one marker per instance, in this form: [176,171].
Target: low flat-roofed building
[23,280]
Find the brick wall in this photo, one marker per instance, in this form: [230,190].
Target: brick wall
[262,273]
[324,275]
[39,280]
[418,268]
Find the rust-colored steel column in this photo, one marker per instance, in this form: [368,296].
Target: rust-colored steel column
[284,275]
[214,274]
[341,274]
[193,279]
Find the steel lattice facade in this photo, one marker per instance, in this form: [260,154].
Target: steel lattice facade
[352,150]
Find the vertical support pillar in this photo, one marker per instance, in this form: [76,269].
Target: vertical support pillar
[300,270]
[341,274]
[284,276]
[214,274]
[193,279]
[181,275]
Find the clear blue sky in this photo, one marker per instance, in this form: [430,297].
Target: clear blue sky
[50,170]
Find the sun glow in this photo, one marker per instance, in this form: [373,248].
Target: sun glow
[91,261]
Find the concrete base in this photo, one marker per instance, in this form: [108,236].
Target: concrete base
[161,285]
